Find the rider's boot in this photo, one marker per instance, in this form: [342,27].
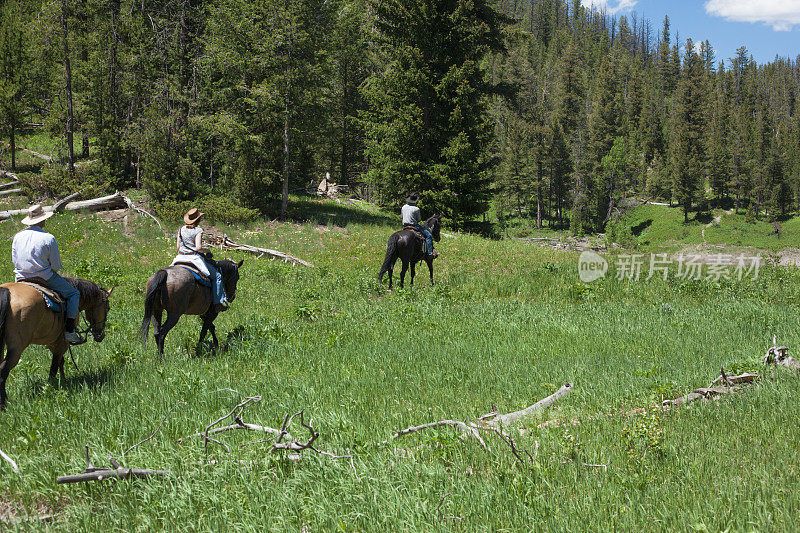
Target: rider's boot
[70,334]
[433,255]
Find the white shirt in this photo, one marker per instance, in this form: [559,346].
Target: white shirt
[411,214]
[34,253]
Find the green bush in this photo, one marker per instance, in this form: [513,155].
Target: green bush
[90,179]
[217,209]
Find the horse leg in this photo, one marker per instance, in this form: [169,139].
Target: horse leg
[10,361]
[413,272]
[172,319]
[430,268]
[208,326]
[57,365]
[403,273]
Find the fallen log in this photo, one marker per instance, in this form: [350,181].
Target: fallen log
[113,201]
[112,473]
[9,184]
[9,175]
[9,192]
[227,244]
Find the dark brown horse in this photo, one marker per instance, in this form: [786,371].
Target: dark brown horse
[176,291]
[25,319]
[406,245]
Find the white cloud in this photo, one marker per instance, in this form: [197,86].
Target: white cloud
[782,15]
[612,7]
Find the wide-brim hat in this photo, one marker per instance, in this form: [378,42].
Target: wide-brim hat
[36,215]
[412,198]
[192,216]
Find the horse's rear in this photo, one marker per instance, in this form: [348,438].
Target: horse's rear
[173,290]
[25,319]
[403,245]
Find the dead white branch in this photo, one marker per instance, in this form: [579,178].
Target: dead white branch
[10,192]
[10,461]
[141,211]
[511,419]
[227,244]
[9,175]
[470,430]
[10,184]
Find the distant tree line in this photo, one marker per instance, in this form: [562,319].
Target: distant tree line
[550,110]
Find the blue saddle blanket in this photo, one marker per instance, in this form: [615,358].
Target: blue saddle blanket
[197,277]
[52,305]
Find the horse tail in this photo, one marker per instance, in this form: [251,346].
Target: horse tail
[5,307]
[157,287]
[391,256]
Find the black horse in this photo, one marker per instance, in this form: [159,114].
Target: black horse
[174,290]
[406,245]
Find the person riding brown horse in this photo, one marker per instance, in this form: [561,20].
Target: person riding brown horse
[177,290]
[26,319]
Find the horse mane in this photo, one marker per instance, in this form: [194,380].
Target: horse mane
[89,291]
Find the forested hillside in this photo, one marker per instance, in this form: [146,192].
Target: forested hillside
[546,108]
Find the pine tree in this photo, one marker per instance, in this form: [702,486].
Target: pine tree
[427,128]
[14,64]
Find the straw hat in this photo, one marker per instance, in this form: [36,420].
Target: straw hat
[412,198]
[36,215]
[192,216]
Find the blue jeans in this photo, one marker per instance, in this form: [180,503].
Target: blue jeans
[428,237]
[217,288]
[68,292]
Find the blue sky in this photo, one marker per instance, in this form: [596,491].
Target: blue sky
[766,27]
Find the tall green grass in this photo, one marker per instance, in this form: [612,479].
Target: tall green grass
[505,324]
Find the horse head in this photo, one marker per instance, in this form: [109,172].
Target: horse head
[97,312]
[434,224]
[230,276]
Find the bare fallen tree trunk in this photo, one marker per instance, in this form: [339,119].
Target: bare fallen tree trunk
[10,184]
[227,244]
[113,201]
[510,419]
[10,192]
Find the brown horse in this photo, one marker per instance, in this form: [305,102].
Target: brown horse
[25,319]
[176,291]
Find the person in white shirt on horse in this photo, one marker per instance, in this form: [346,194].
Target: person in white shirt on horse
[412,216]
[34,253]
[190,244]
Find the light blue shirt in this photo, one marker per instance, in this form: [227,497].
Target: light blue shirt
[411,214]
[34,253]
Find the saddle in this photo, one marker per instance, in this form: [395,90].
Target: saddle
[54,301]
[201,278]
[417,234]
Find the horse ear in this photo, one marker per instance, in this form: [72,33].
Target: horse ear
[239,264]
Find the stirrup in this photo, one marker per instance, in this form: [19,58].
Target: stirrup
[74,338]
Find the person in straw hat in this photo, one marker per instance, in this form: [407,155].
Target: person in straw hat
[34,253]
[190,244]
[412,216]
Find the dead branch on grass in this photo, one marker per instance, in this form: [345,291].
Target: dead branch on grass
[282,439]
[226,243]
[116,471]
[10,461]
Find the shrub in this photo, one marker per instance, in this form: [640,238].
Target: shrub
[91,179]
[217,209]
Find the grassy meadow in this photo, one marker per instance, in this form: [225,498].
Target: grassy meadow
[506,324]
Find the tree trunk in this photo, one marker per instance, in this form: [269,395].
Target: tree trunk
[85,145]
[13,142]
[68,81]
[539,196]
[287,110]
